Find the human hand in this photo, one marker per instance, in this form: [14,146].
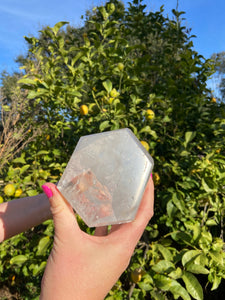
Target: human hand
[83,266]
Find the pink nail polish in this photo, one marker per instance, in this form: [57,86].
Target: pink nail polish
[151,175]
[47,191]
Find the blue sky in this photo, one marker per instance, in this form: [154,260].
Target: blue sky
[19,18]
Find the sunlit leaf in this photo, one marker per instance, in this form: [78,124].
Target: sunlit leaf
[192,285]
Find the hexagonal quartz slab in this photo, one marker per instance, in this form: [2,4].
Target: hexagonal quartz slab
[106,177]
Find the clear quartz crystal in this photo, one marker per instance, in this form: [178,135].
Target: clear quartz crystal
[106,176]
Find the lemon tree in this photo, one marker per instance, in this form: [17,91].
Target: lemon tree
[127,67]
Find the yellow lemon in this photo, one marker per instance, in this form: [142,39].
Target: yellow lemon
[213,100]
[1,199]
[150,115]
[136,275]
[114,93]
[120,66]
[9,190]
[145,144]
[156,178]
[18,193]
[83,110]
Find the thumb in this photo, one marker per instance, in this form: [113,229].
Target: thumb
[62,212]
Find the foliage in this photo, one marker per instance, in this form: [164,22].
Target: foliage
[219,59]
[121,64]
[16,124]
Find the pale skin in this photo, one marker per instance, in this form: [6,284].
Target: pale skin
[83,266]
[22,214]
[80,266]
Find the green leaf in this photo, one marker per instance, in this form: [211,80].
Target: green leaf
[190,256]
[206,187]
[197,269]
[18,260]
[24,169]
[178,202]
[74,93]
[34,94]
[163,266]
[107,85]
[103,12]
[20,160]
[184,153]
[192,285]
[39,268]
[217,256]
[146,286]
[216,282]
[155,295]
[165,252]
[202,259]
[43,152]
[104,125]
[211,222]
[31,193]
[176,274]
[133,128]
[27,81]
[162,282]
[178,291]
[205,240]
[56,152]
[167,284]
[147,129]
[110,8]
[166,119]
[195,228]
[61,43]
[153,134]
[181,236]
[189,136]
[43,245]
[57,26]
[171,209]
[75,59]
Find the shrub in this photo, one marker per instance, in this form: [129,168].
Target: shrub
[126,63]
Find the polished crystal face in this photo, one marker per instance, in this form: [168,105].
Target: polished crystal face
[105,178]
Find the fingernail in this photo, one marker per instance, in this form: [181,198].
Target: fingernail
[151,175]
[47,191]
